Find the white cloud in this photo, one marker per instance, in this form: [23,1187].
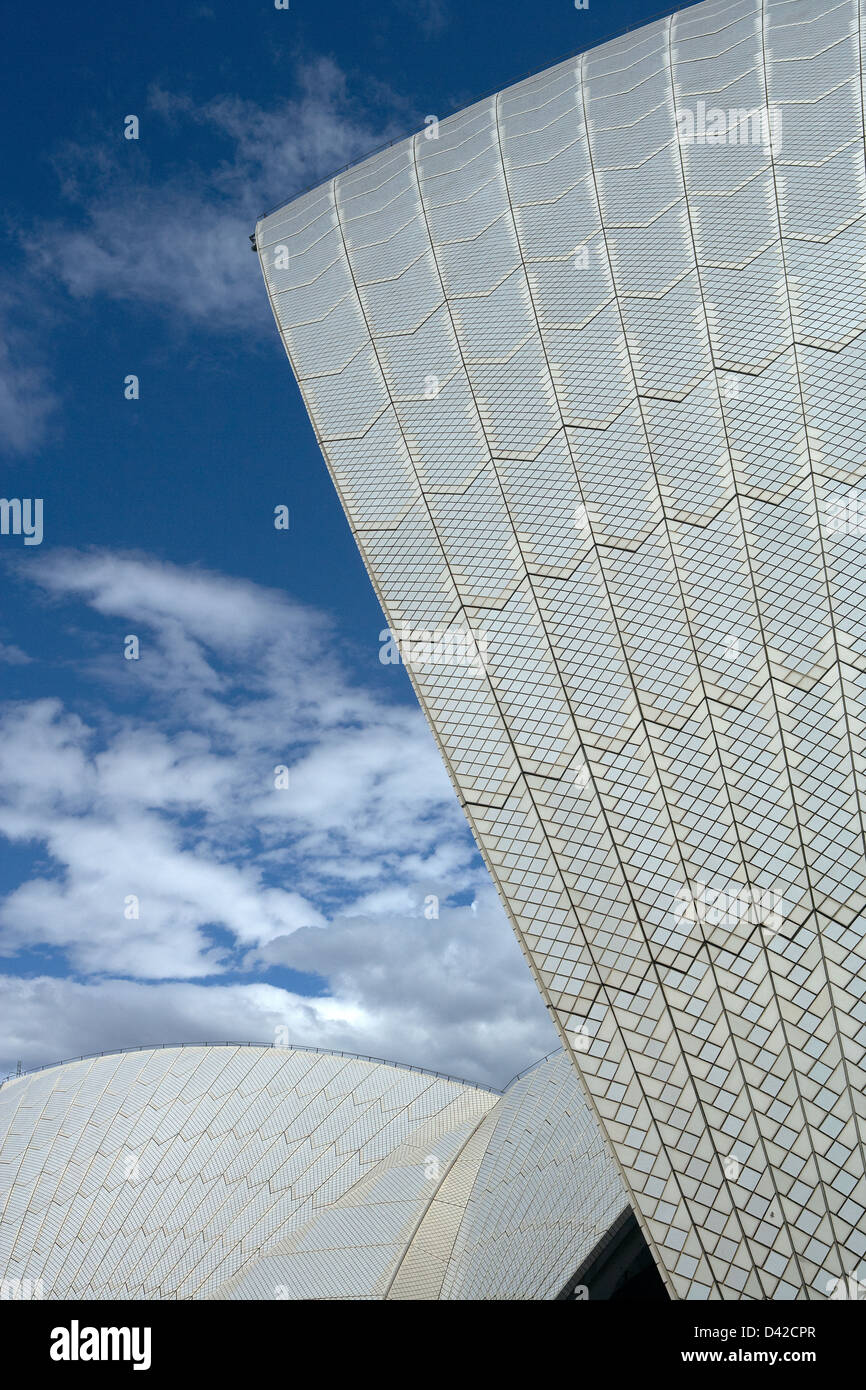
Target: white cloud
[166,793]
[181,244]
[452,996]
[48,1019]
[175,242]
[431,15]
[27,400]
[451,987]
[12,655]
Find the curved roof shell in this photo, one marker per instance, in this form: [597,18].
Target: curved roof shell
[160,1173]
[587,362]
[243,1172]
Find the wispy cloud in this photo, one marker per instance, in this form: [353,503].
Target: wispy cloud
[28,401]
[170,233]
[430,15]
[180,243]
[452,995]
[12,655]
[164,798]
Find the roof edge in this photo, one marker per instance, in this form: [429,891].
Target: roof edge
[264,1047]
[666,13]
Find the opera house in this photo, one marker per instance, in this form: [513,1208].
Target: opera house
[234,1171]
[587,365]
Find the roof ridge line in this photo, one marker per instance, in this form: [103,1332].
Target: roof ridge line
[281,1047]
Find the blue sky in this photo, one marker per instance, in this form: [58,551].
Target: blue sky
[153,780]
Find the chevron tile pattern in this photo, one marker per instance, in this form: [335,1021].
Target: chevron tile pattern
[507,1209]
[587,364]
[537,1194]
[161,1173]
[230,1171]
